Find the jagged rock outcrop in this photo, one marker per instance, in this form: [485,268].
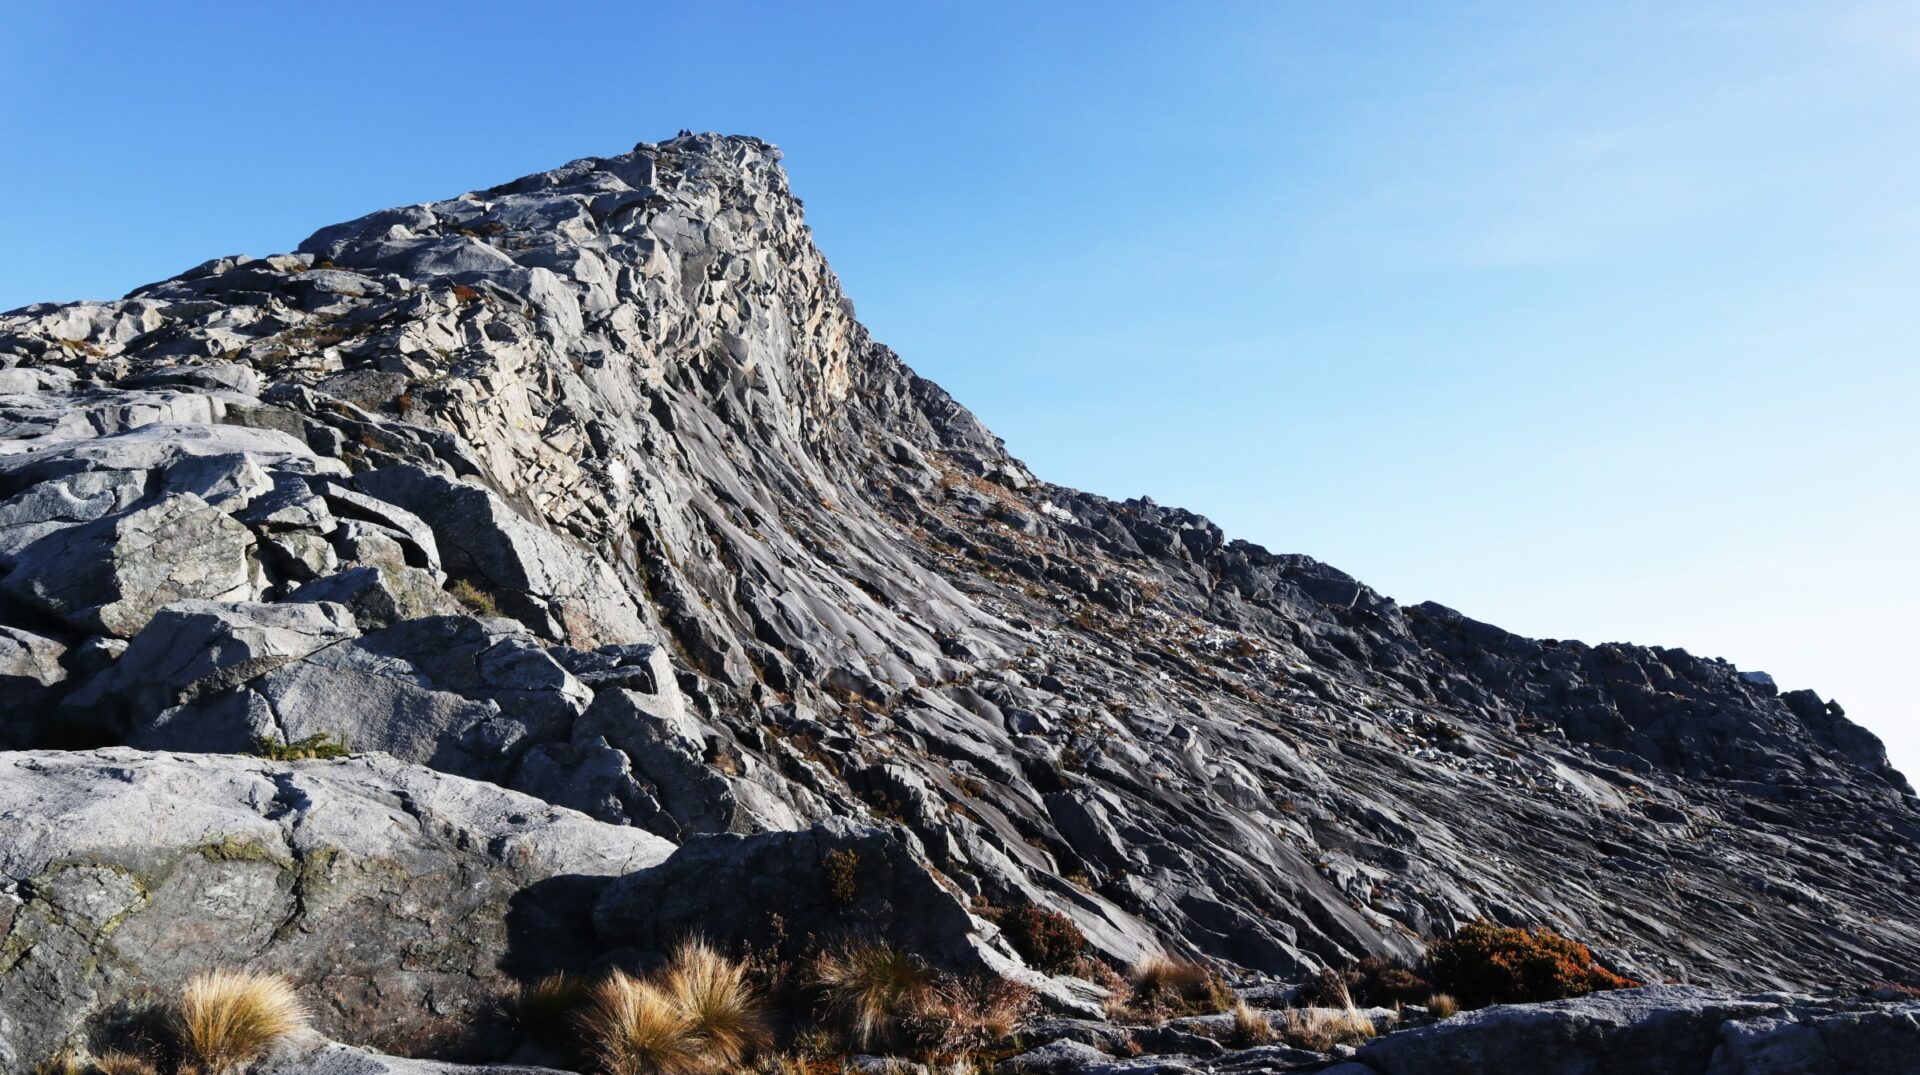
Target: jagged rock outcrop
[590,485]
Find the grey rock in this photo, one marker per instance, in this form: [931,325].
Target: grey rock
[195,648]
[127,871]
[30,670]
[547,582]
[1655,1030]
[317,1056]
[113,574]
[1053,1058]
[382,596]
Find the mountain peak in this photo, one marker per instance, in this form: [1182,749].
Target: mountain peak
[590,485]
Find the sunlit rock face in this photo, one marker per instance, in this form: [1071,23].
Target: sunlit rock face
[590,486]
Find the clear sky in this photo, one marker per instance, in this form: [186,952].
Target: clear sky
[1593,320]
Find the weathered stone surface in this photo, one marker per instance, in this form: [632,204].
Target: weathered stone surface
[1656,1030]
[392,895]
[316,1056]
[556,588]
[382,596]
[30,672]
[626,402]
[113,574]
[195,648]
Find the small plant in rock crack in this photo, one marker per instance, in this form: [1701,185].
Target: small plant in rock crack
[477,601]
[840,869]
[322,746]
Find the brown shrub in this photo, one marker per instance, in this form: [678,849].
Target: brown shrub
[841,869]
[1486,964]
[1047,940]
[958,1017]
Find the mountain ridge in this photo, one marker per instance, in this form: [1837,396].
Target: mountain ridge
[730,565]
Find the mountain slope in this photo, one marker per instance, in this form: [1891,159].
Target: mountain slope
[626,404]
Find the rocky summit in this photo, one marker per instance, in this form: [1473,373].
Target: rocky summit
[527,581]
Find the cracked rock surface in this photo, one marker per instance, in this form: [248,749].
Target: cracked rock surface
[591,487]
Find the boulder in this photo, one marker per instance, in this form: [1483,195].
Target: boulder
[113,574]
[381,596]
[30,670]
[561,591]
[195,648]
[1653,1030]
[1884,1041]
[396,898]
[839,877]
[462,695]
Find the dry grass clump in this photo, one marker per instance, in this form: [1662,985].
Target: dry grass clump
[228,1018]
[1442,1006]
[64,1062]
[634,1028]
[546,1009]
[1162,986]
[720,1004]
[119,1063]
[114,1062]
[869,986]
[958,1017]
[1320,1029]
[1250,1026]
[699,1013]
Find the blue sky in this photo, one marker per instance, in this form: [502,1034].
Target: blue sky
[1592,320]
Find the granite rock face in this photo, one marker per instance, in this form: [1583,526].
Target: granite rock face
[591,486]
[397,897]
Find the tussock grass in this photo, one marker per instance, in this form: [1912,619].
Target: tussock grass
[1250,1027]
[1163,985]
[718,1001]
[546,1008]
[699,1013]
[870,986]
[64,1062]
[230,1018]
[1442,1006]
[1320,1029]
[124,1063]
[633,1027]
